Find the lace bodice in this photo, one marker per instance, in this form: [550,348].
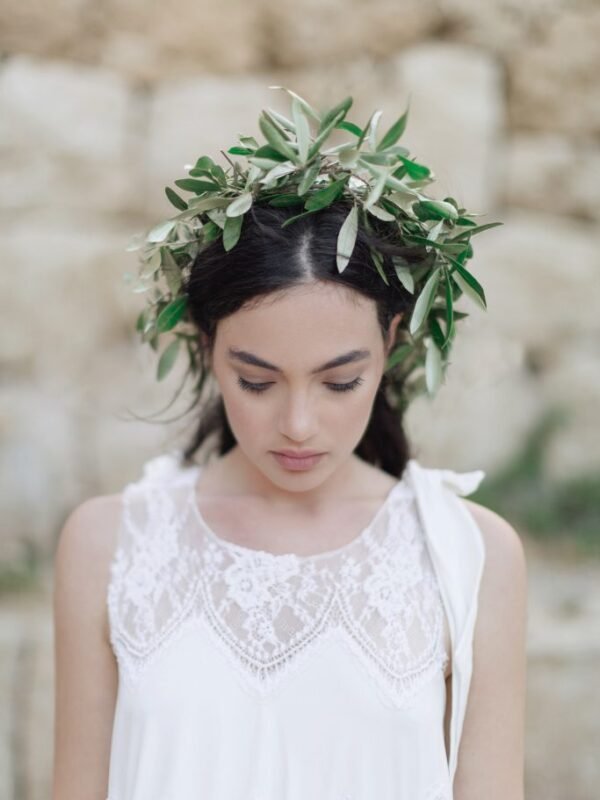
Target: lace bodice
[248,675]
[378,594]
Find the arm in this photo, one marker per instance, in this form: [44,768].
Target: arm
[491,754]
[85,668]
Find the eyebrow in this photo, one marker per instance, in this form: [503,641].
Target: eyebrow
[346,358]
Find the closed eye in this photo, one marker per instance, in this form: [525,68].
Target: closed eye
[335,387]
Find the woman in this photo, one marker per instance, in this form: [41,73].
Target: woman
[311,612]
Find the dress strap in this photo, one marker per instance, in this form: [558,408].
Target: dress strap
[457,551]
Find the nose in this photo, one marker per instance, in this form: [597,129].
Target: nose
[297,419]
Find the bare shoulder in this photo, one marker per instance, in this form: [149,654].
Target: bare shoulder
[503,544]
[83,553]
[505,572]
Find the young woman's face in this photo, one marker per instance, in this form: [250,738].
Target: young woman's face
[291,402]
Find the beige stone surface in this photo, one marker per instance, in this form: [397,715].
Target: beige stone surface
[553,79]
[457,116]
[550,172]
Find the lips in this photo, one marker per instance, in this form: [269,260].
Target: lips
[295,462]
[298,453]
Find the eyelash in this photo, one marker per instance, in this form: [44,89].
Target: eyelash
[335,387]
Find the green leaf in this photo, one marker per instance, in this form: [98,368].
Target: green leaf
[284,122]
[414,170]
[347,239]
[232,231]
[142,322]
[171,270]
[365,130]
[275,139]
[240,205]
[424,302]
[306,106]
[323,134]
[381,213]
[308,177]
[302,130]
[266,163]
[218,216]
[196,186]
[200,204]
[446,247]
[266,151]
[378,261]
[240,151]
[436,331]
[348,157]
[289,220]
[404,273]
[394,133]
[283,200]
[392,181]
[205,163]
[211,231]
[333,115]
[464,235]
[175,199]
[167,359]
[383,159]
[278,171]
[248,141]
[435,209]
[376,189]
[171,314]
[372,132]
[449,308]
[160,232]
[389,206]
[324,197]
[433,367]
[349,126]
[469,284]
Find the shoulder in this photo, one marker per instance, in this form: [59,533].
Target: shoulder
[84,549]
[504,578]
[88,527]
[503,545]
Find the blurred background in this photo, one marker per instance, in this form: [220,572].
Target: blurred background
[101,106]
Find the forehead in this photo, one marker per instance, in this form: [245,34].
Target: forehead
[302,327]
[328,305]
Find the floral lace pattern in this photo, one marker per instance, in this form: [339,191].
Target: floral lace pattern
[266,612]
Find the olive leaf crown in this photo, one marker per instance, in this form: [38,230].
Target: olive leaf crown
[292,169]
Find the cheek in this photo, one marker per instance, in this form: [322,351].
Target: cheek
[247,413]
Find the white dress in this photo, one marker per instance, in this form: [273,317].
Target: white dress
[247,675]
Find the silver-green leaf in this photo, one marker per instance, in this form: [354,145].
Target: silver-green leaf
[424,302]
[167,359]
[302,130]
[347,239]
[240,205]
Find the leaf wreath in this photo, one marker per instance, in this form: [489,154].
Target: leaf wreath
[292,168]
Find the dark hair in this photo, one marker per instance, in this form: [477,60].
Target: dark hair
[268,258]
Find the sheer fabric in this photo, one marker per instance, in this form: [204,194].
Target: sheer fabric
[245,675]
